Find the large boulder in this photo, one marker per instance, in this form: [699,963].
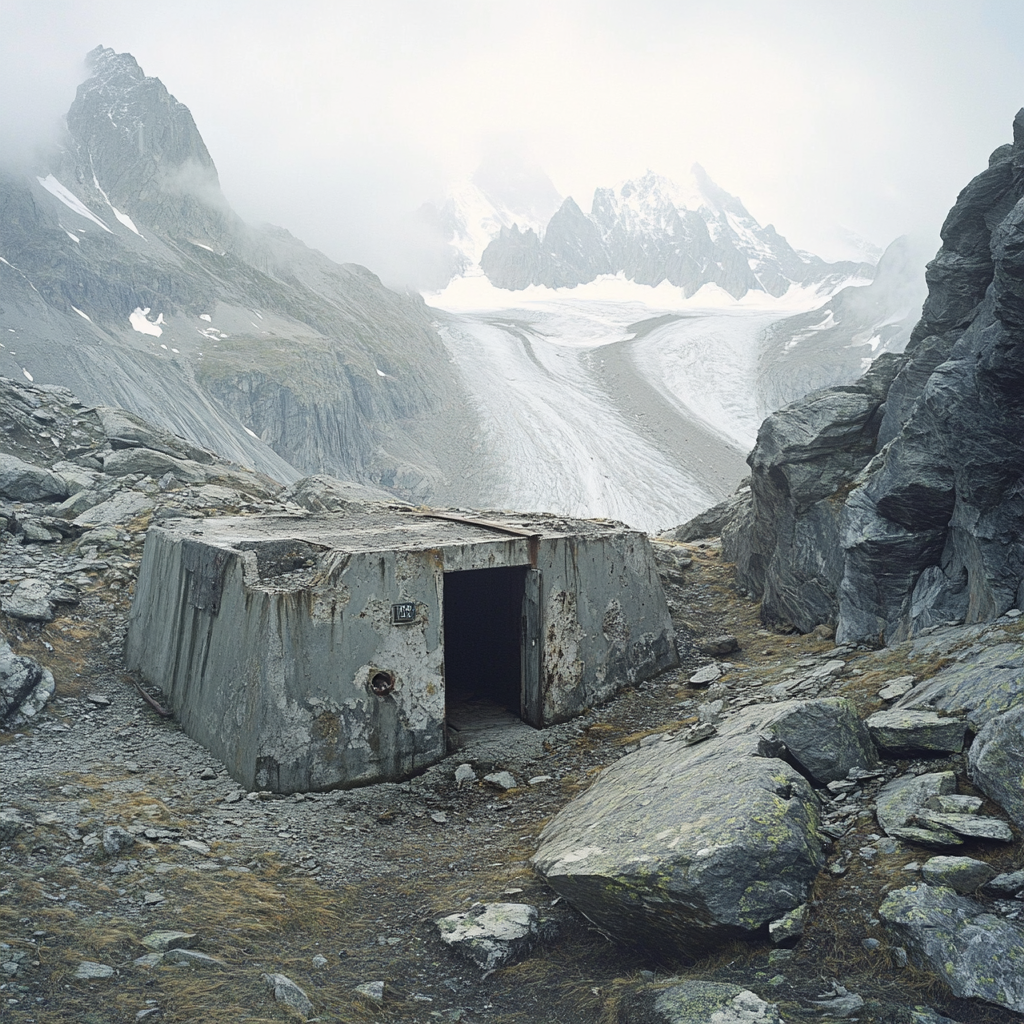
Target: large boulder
[977,954]
[825,737]
[996,763]
[21,481]
[680,847]
[894,504]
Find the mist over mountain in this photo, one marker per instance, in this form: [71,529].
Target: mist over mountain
[127,277]
[508,220]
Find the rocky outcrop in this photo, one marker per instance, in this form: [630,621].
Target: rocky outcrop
[977,954]
[897,503]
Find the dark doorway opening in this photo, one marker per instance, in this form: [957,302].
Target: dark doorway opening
[483,610]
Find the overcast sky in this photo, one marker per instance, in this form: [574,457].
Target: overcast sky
[331,118]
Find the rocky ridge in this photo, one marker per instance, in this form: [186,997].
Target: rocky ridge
[651,230]
[137,832]
[893,503]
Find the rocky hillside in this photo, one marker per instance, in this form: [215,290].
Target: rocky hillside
[895,503]
[126,276]
[594,871]
[653,230]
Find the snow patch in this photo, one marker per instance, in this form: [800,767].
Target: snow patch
[206,317]
[28,376]
[73,237]
[81,314]
[380,373]
[251,433]
[139,319]
[70,200]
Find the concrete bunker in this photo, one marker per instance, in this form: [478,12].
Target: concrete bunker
[315,651]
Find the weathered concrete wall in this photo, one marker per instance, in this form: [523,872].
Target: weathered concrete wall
[275,682]
[606,623]
[266,636]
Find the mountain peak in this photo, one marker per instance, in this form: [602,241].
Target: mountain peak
[138,149]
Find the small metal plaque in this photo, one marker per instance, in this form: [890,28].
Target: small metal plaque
[403,613]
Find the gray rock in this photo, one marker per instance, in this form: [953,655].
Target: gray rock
[984,682]
[722,839]
[974,826]
[492,935]
[975,953]
[706,675]
[898,801]
[898,732]
[89,970]
[964,874]
[126,461]
[500,780]
[897,687]
[286,991]
[116,840]
[30,601]
[162,941]
[11,824]
[123,507]
[954,803]
[25,685]
[720,646]
[124,429]
[464,775]
[1007,885]
[789,927]
[181,956]
[372,991]
[926,1015]
[825,737]
[688,1001]
[320,493]
[840,1002]
[995,762]
[22,481]
[891,505]
[712,521]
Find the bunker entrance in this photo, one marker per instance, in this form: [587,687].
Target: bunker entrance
[488,643]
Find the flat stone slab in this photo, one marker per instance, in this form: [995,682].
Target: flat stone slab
[89,970]
[974,826]
[493,935]
[900,732]
[964,874]
[286,991]
[977,954]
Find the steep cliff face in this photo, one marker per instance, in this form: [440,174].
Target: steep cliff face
[898,502]
[127,278]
